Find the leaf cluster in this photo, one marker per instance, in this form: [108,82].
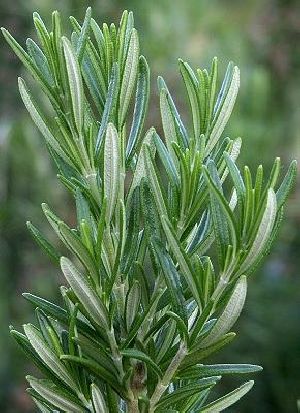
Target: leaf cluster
[168,228]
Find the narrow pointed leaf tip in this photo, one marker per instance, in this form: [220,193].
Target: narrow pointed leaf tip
[130,75]
[226,401]
[222,117]
[263,233]
[40,122]
[47,355]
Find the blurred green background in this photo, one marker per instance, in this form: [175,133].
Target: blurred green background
[263,38]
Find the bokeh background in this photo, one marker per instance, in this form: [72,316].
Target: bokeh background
[263,38]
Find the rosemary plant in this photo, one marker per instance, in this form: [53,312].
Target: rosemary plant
[168,229]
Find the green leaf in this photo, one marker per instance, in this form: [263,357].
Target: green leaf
[201,320]
[212,89]
[230,313]
[74,243]
[274,174]
[29,64]
[140,108]
[109,106]
[133,238]
[108,48]
[169,112]
[98,399]
[82,208]
[40,122]
[122,39]
[196,356]
[139,355]
[181,325]
[166,348]
[87,296]
[202,233]
[97,369]
[263,233]
[58,313]
[43,408]
[236,177]
[172,280]
[111,179]
[286,185]
[28,350]
[150,212]
[223,115]
[84,34]
[249,203]
[57,30]
[48,331]
[47,355]
[42,242]
[40,60]
[146,315]
[93,79]
[185,392]
[55,396]
[129,75]
[201,370]
[132,303]
[140,169]
[45,40]
[50,308]
[167,161]
[100,230]
[155,184]
[75,83]
[223,402]
[191,84]
[95,350]
[167,120]
[223,218]
[182,259]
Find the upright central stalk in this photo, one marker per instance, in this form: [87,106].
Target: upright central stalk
[163,384]
[133,406]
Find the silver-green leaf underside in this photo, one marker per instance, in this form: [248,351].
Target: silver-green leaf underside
[226,401]
[111,180]
[53,395]
[85,293]
[75,83]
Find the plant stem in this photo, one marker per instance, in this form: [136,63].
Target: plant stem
[133,406]
[167,378]
[116,356]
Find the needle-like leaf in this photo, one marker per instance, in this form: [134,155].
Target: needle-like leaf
[47,355]
[129,76]
[75,83]
[40,122]
[98,399]
[55,396]
[141,103]
[111,179]
[230,314]
[226,401]
[85,293]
